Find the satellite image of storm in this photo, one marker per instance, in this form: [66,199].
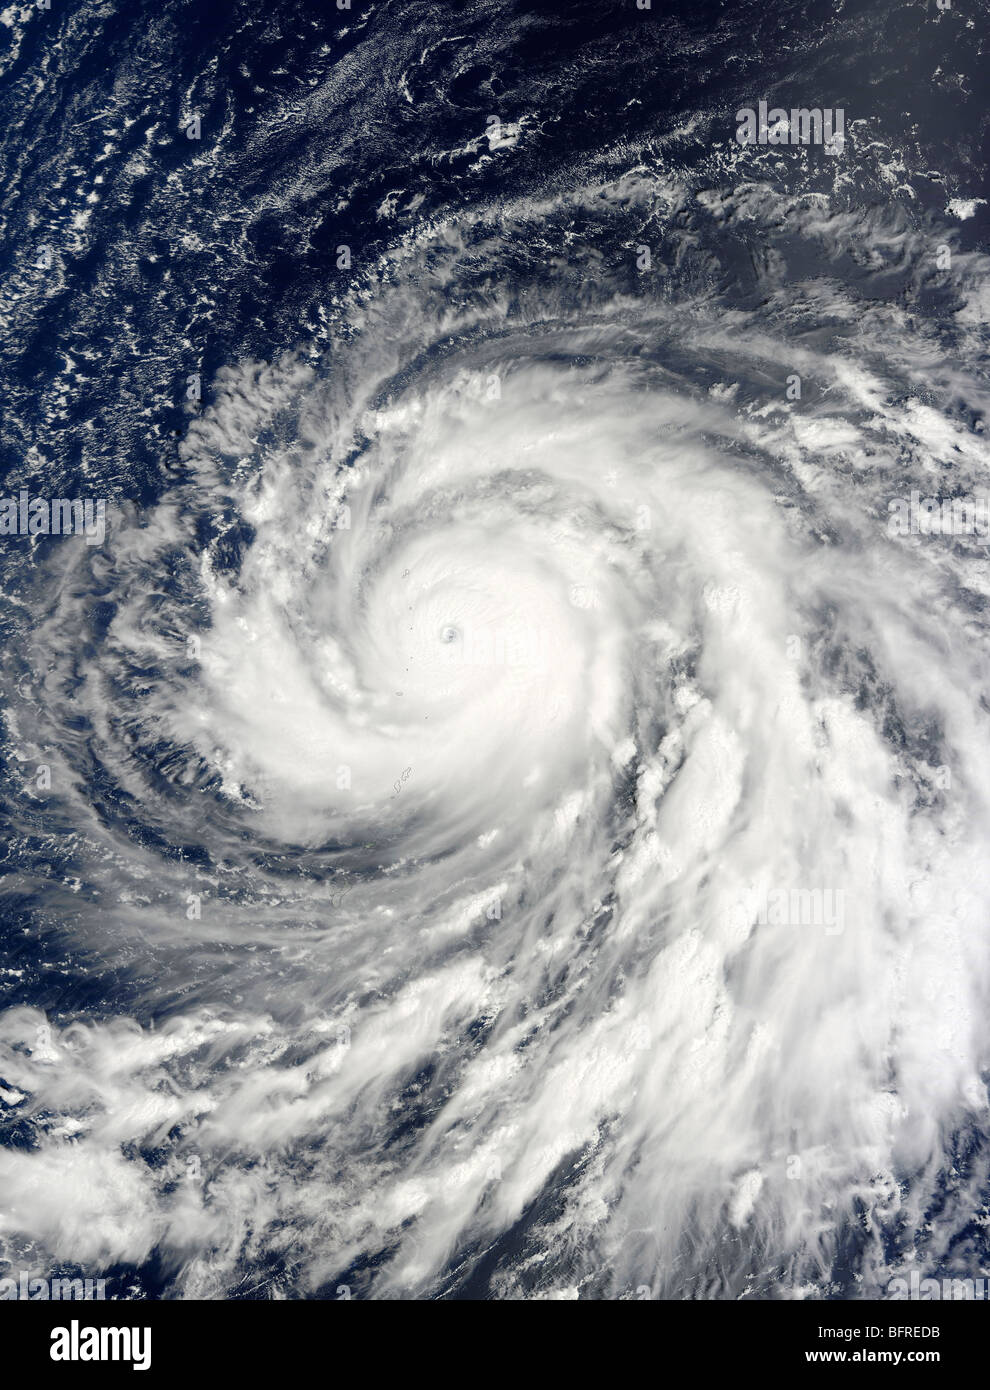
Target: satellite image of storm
[495,662]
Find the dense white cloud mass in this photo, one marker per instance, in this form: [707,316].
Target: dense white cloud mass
[502,812]
[558,802]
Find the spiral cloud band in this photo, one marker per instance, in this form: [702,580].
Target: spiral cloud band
[504,815]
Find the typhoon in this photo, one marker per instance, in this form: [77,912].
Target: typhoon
[499,812]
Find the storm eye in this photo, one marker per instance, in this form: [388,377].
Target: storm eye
[449,634]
